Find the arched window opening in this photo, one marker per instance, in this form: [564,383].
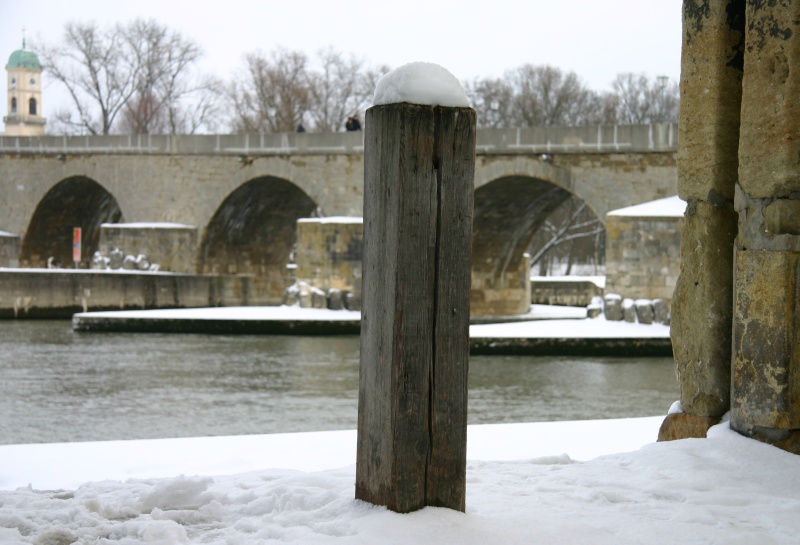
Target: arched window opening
[13,106]
[32,106]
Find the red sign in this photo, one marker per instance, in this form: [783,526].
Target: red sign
[76,244]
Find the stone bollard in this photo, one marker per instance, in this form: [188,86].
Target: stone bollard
[644,311]
[628,310]
[335,299]
[660,311]
[613,307]
[318,298]
[142,263]
[352,301]
[115,259]
[291,296]
[304,295]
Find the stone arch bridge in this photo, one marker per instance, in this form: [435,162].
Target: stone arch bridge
[244,193]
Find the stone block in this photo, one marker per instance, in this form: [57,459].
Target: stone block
[291,296]
[711,79]
[769,148]
[9,249]
[594,310]
[766,341]
[335,301]
[318,298]
[613,307]
[782,217]
[660,311]
[352,301]
[628,311]
[788,440]
[644,311]
[115,258]
[329,252]
[685,426]
[304,295]
[702,309]
[571,293]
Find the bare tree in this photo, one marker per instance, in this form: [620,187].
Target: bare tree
[493,101]
[545,95]
[641,100]
[199,108]
[139,73]
[163,58]
[272,94]
[91,63]
[571,234]
[531,96]
[341,88]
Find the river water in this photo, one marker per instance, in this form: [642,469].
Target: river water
[58,385]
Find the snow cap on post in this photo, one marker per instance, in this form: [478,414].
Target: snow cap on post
[420,83]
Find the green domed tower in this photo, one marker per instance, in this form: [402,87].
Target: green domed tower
[24,94]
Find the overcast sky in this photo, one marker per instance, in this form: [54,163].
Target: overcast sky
[596,40]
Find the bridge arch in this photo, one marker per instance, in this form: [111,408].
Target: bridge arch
[77,201]
[253,231]
[508,212]
[545,167]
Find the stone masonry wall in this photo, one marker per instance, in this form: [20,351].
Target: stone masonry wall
[736,311]
[711,75]
[172,246]
[765,394]
[9,249]
[642,256]
[329,253]
[509,295]
[58,294]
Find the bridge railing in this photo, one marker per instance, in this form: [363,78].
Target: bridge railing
[606,138]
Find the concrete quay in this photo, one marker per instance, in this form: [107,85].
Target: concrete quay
[545,331]
[60,293]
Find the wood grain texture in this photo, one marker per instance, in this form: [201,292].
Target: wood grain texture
[455,153]
[418,177]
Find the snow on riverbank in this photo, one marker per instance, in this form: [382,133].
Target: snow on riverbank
[543,322]
[524,485]
[596,328]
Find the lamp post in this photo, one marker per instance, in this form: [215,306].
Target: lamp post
[662,107]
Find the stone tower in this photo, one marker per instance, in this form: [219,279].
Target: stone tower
[24,94]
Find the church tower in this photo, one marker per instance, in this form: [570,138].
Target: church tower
[24,94]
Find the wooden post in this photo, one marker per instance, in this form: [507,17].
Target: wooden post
[419,164]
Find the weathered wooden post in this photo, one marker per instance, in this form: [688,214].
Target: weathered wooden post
[419,161]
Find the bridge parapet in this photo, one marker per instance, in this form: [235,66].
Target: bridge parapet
[545,140]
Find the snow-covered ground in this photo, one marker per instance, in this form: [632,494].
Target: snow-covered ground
[670,207]
[592,482]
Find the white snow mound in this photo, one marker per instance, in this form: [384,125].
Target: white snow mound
[420,83]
